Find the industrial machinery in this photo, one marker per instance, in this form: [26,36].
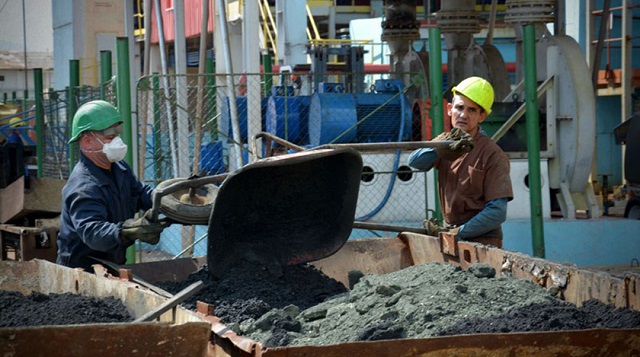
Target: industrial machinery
[628,133]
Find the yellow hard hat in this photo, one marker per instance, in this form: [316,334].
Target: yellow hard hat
[478,90]
[16,122]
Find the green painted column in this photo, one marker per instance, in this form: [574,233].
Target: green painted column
[533,140]
[436,113]
[72,108]
[267,69]
[123,94]
[40,139]
[105,71]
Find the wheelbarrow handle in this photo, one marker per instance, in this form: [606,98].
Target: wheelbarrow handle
[194,182]
[387,227]
[412,145]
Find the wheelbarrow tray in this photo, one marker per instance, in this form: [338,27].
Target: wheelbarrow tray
[284,210]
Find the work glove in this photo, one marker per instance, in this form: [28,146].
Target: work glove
[462,143]
[432,227]
[142,229]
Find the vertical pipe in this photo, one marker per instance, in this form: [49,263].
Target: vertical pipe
[202,69]
[435,73]
[211,95]
[437,114]
[25,98]
[157,143]
[123,92]
[166,87]
[267,68]
[231,90]
[74,83]
[24,43]
[40,140]
[181,91]
[123,95]
[105,71]
[533,140]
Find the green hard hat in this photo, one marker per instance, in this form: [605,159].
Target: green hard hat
[478,90]
[94,115]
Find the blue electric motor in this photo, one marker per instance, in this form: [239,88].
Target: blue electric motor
[380,122]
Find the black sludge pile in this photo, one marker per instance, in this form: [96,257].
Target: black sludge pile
[305,307]
[37,309]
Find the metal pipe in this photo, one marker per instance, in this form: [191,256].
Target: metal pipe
[435,73]
[105,71]
[231,90]
[24,43]
[390,146]
[492,22]
[437,110]
[40,139]
[267,69]
[167,93]
[181,91]
[201,85]
[157,137]
[74,83]
[388,227]
[533,140]
[211,96]
[123,95]
[602,32]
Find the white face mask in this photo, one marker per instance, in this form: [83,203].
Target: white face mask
[115,150]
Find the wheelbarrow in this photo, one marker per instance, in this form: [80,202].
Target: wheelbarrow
[278,211]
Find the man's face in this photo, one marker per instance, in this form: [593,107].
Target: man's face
[465,114]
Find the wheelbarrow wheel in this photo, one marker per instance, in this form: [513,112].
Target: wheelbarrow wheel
[186,208]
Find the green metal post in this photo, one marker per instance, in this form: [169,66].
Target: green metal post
[267,69]
[105,71]
[157,143]
[40,140]
[436,113]
[210,68]
[123,93]
[74,83]
[25,99]
[14,97]
[4,97]
[533,140]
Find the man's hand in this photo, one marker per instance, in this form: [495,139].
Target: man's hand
[432,227]
[462,143]
[143,229]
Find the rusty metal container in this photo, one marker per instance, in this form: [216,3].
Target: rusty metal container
[385,255]
[44,196]
[26,243]
[178,332]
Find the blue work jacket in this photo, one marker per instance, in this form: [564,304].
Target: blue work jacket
[95,203]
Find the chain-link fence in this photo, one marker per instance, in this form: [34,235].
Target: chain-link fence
[55,130]
[204,125]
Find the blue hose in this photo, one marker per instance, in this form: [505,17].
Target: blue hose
[396,163]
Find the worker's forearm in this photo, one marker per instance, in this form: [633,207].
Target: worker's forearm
[491,217]
[422,159]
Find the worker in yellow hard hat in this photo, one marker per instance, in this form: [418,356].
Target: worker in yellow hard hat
[14,135]
[474,186]
[102,195]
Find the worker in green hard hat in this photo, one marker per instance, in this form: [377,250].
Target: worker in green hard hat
[102,199]
[475,185]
